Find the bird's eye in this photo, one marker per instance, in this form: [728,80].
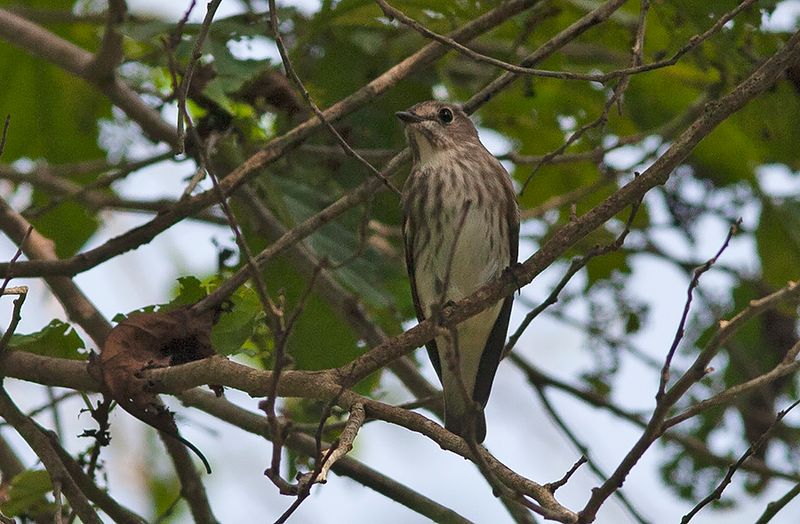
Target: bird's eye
[445,115]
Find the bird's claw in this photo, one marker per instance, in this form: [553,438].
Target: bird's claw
[511,273]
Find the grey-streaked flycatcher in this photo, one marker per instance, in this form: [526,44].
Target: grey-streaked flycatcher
[461,229]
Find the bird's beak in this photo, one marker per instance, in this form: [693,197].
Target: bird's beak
[408,117]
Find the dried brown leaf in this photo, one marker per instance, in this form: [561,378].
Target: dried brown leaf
[153,340]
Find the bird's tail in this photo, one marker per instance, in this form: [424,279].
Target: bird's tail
[460,418]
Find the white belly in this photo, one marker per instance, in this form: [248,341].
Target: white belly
[476,260]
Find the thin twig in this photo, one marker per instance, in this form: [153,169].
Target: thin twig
[786,367]
[101,435]
[717,493]
[681,330]
[287,64]
[338,449]
[576,265]
[774,507]
[5,134]
[306,445]
[183,90]
[585,458]
[554,486]
[14,260]
[115,174]
[277,427]
[656,426]
[568,34]
[602,78]
[16,314]
[615,98]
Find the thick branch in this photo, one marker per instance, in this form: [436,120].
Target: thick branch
[35,246]
[110,54]
[43,446]
[38,41]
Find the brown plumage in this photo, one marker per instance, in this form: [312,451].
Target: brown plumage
[461,229]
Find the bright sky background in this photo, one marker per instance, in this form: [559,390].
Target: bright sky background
[520,432]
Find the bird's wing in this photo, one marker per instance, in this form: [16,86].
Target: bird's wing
[493,351]
[409,230]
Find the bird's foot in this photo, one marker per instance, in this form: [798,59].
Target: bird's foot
[511,272]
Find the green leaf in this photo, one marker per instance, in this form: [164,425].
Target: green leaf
[603,267]
[632,323]
[69,225]
[57,339]
[237,325]
[190,290]
[26,493]
[54,115]
[778,242]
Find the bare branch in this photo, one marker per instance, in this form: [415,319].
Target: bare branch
[656,425]
[602,78]
[586,22]
[16,314]
[585,458]
[345,466]
[341,448]
[788,366]
[14,260]
[287,64]
[183,89]
[554,486]
[755,446]
[698,272]
[43,446]
[110,54]
[46,177]
[773,508]
[49,179]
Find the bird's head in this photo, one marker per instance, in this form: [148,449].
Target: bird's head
[435,127]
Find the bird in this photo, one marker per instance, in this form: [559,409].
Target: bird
[460,230]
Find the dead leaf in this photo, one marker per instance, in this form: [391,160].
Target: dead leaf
[153,340]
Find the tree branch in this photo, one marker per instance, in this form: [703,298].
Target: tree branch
[602,78]
[39,42]
[754,447]
[35,246]
[305,444]
[44,448]
[105,61]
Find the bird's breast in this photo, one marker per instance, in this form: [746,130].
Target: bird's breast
[461,237]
